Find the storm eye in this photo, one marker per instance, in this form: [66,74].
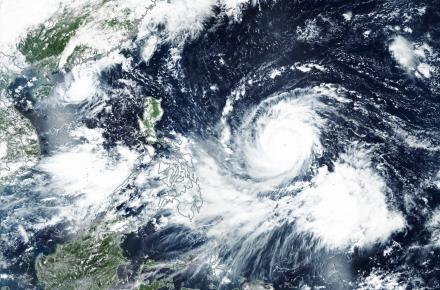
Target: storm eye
[280,138]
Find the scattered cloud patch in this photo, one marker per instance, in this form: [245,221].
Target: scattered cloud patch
[410,57]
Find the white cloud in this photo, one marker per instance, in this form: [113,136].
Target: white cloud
[184,19]
[87,171]
[149,48]
[3,149]
[341,209]
[348,15]
[281,142]
[82,82]
[235,207]
[17,16]
[410,57]
[181,19]
[403,52]
[424,69]
[433,226]
[347,207]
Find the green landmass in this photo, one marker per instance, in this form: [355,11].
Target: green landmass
[46,42]
[160,280]
[156,109]
[80,53]
[152,114]
[90,262]
[117,24]
[156,285]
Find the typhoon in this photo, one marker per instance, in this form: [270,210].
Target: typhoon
[219,144]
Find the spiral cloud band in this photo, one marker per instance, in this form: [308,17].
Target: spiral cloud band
[280,138]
